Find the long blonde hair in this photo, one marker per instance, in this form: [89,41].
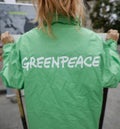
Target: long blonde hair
[46,9]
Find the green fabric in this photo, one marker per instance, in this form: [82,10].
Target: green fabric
[63,77]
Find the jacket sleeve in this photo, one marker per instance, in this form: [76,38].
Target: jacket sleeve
[111,64]
[12,74]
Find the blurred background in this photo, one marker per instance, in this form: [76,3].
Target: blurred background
[101,15]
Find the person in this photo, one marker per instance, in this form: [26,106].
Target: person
[62,67]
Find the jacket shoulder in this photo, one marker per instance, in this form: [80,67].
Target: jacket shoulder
[91,33]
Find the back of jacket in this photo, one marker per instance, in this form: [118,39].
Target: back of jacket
[63,76]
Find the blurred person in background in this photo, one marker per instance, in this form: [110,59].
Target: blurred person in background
[62,67]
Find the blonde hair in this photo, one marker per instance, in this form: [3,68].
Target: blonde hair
[46,10]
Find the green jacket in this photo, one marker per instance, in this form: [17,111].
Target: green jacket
[63,77]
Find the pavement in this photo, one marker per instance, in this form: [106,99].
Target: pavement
[112,114]
[9,114]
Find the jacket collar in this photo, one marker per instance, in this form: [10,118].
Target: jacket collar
[65,20]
